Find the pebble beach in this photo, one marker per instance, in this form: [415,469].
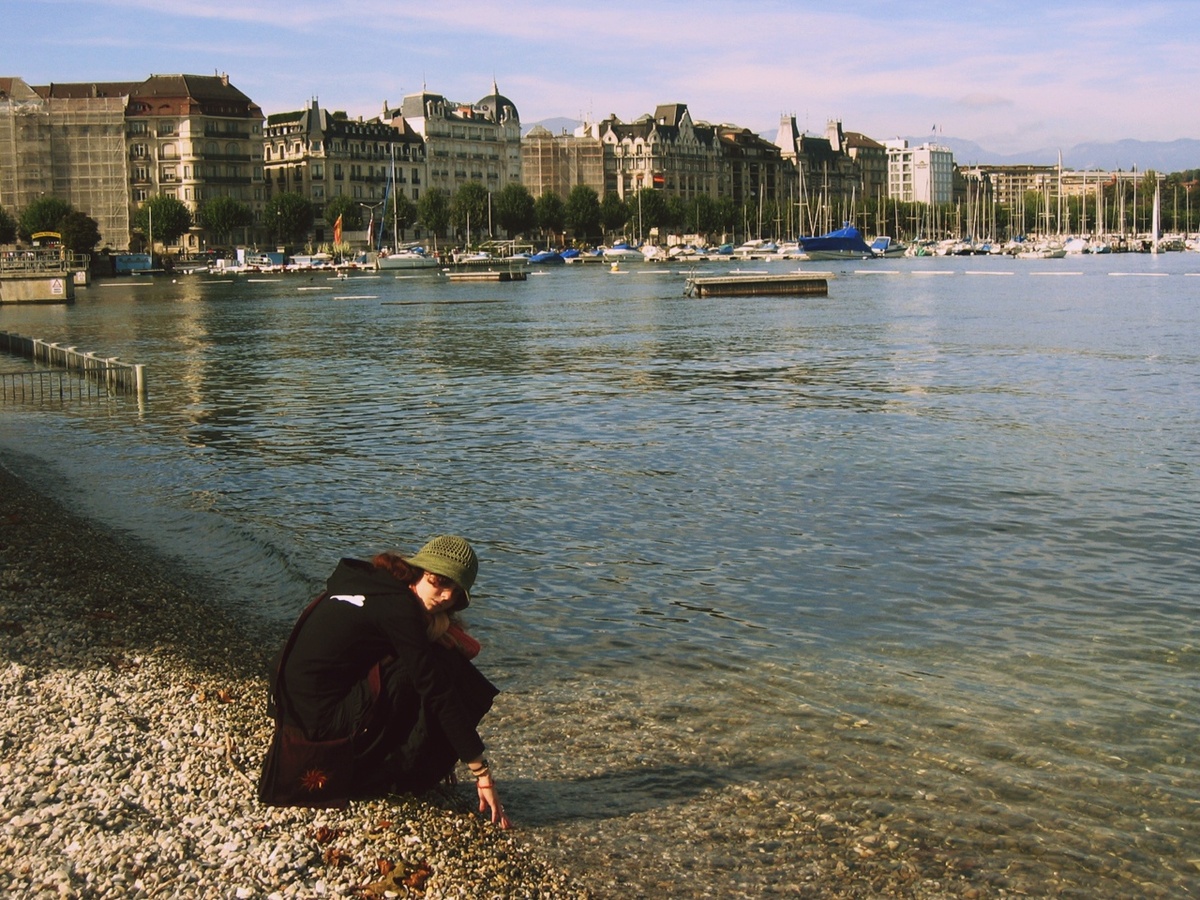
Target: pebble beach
[132,734]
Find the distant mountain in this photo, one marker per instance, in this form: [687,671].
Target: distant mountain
[1162,156]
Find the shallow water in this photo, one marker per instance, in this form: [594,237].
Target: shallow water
[926,547]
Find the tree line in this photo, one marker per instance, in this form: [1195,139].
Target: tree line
[473,213]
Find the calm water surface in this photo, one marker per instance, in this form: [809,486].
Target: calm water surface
[926,547]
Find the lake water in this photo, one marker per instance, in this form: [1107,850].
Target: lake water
[924,551]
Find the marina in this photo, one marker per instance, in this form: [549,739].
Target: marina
[902,575]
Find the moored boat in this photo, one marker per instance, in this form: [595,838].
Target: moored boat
[622,251]
[406,258]
[884,247]
[844,243]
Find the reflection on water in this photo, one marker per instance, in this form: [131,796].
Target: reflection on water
[923,550]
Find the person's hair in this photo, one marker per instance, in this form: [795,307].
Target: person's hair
[439,624]
[399,568]
[396,566]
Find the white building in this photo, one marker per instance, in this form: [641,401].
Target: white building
[922,174]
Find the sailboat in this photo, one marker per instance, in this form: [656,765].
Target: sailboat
[411,257]
[844,243]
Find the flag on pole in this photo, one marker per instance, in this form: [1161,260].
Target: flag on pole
[337,230]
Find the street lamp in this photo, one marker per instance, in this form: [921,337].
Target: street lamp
[371,226]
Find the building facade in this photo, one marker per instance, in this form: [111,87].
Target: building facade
[923,174]
[666,151]
[106,148]
[829,182]
[752,173]
[195,138]
[559,163]
[465,141]
[68,141]
[322,155]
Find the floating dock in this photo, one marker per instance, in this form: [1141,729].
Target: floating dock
[488,275]
[806,284]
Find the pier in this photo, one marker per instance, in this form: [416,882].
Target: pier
[40,276]
[808,284]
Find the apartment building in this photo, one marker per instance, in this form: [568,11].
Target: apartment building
[67,141]
[829,180]
[666,151]
[107,147]
[465,141]
[322,155]
[923,174]
[559,163]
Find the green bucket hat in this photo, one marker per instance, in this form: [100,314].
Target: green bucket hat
[451,557]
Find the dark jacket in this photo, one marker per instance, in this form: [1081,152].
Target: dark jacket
[366,617]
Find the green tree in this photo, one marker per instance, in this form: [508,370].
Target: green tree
[583,212]
[551,212]
[289,216]
[433,211]
[515,210]
[677,210]
[401,213]
[348,209]
[727,214]
[647,210]
[163,218]
[43,214]
[613,213]
[469,208]
[398,214]
[220,216]
[8,227]
[704,216]
[80,232]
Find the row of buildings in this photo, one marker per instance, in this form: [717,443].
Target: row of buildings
[107,147]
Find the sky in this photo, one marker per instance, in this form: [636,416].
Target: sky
[1009,76]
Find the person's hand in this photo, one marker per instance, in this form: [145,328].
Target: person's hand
[489,800]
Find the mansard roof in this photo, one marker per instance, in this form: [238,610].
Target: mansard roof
[670,114]
[746,142]
[207,94]
[857,139]
[85,90]
[496,107]
[665,124]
